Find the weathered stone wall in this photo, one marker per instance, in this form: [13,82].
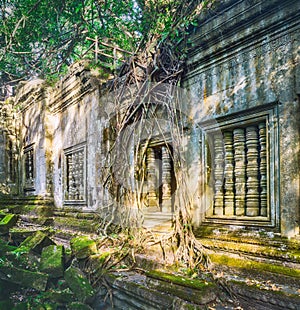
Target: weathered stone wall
[31,105]
[242,72]
[245,57]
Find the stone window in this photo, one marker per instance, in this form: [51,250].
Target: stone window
[11,162]
[75,174]
[29,167]
[160,178]
[240,156]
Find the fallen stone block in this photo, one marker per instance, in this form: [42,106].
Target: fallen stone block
[79,284]
[24,260]
[24,278]
[7,222]
[52,261]
[65,296]
[5,248]
[36,242]
[78,306]
[82,247]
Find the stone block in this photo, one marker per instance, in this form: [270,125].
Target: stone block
[4,247]
[36,242]
[52,261]
[83,246]
[78,306]
[22,277]
[79,284]
[23,259]
[65,296]
[7,222]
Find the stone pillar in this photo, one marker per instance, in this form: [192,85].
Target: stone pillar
[166,179]
[151,178]
[252,196]
[239,170]
[263,169]
[229,174]
[218,171]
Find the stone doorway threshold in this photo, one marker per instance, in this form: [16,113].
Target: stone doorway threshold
[157,220]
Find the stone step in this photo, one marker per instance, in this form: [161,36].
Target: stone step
[265,275]
[30,200]
[281,252]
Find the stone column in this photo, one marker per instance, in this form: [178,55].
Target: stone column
[218,171]
[252,196]
[263,169]
[166,179]
[239,170]
[151,178]
[229,174]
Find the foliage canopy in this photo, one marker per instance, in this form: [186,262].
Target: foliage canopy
[42,37]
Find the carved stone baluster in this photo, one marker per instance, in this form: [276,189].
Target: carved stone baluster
[252,196]
[239,170]
[81,174]
[69,177]
[151,178]
[166,179]
[229,174]
[218,175]
[72,178]
[263,169]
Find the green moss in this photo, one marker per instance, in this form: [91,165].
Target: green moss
[36,242]
[76,224]
[4,247]
[7,222]
[52,260]
[83,246]
[79,284]
[180,280]
[255,266]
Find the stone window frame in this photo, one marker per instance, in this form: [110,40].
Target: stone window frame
[29,183]
[66,152]
[156,143]
[269,114]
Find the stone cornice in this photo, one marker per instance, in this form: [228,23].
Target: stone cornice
[29,93]
[72,88]
[239,25]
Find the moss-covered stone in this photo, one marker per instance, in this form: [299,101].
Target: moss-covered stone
[79,284]
[23,259]
[7,222]
[254,266]
[194,290]
[180,280]
[98,260]
[5,247]
[24,278]
[20,234]
[65,296]
[76,224]
[36,242]
[52,261]
[83,246]
[78,306]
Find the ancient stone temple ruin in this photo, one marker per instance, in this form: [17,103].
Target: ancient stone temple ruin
[241,96]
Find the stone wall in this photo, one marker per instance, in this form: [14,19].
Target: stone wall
[243,63]
[241,146]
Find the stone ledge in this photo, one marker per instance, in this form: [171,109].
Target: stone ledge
[277,253]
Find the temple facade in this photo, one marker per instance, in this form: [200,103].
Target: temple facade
[240,104]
